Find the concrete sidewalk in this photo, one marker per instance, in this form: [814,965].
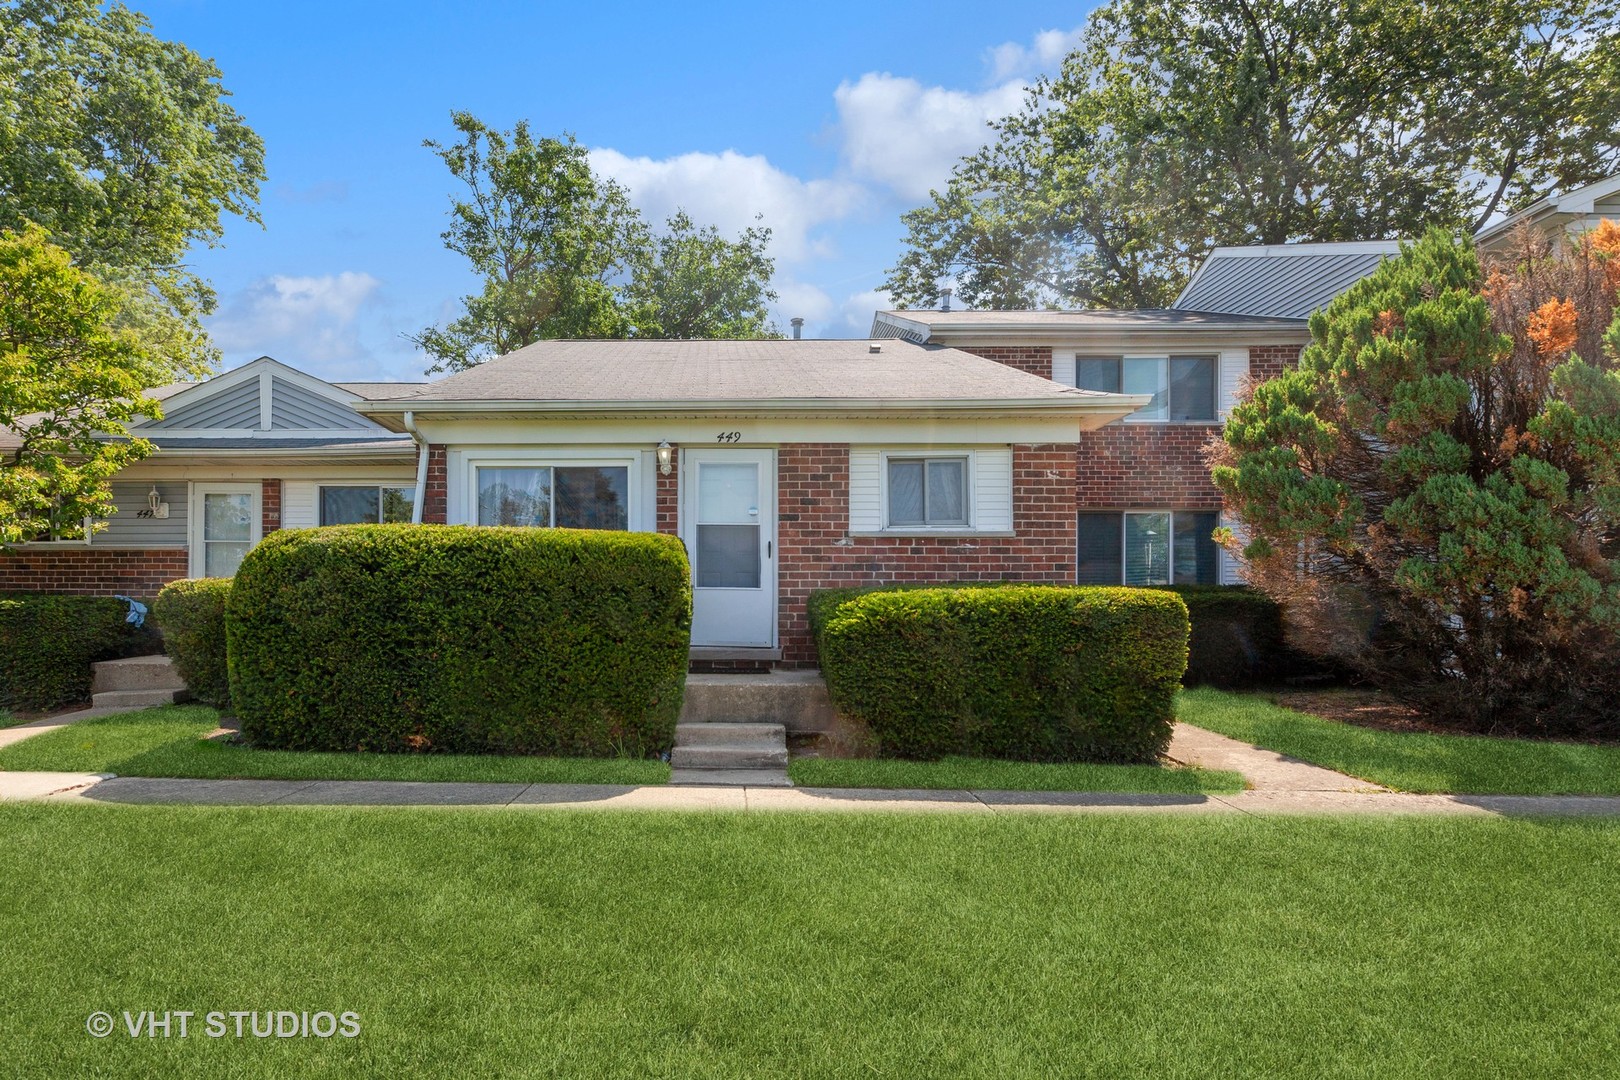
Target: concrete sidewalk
[89,788]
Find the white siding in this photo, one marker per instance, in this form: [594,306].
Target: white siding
[1234,364]
[865,490]
[1231,565]
[993,488]
[300,504]
[1063,367]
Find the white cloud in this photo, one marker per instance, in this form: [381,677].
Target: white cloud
[728,189]
[1043,55]
[908,136]
[300,320]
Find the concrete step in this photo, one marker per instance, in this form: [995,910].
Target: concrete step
[797,700]
[135,673]
[729,757]
[730,777]
[765,735]
[110,699]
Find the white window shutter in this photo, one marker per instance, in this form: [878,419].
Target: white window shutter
[1064,372]
[300,504]
[1234,364]
[993,489]
[1231,564]
[865,490]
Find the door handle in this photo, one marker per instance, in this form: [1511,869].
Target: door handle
[767,549]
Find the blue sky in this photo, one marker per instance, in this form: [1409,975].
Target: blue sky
[830,120]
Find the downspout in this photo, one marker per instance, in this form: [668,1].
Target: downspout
[421,467]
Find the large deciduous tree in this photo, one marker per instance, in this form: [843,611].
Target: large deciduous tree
[1434,494]
[694,283]
[1176,126]
[125,148]
[563,253]
[70,380]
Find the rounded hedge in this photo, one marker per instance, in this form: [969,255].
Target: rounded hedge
[1237,636]
[1027,672]
[191,613]
[461,639]
[48,642]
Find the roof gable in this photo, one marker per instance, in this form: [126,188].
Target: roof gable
[260,399]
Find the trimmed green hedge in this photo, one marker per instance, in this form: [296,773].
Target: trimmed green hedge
[461,639]
[192,615]
[1026,672]
[48,642]
[1237,636]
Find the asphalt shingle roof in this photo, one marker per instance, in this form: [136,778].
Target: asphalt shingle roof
[698,371]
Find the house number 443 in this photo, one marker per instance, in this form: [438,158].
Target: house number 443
[728,437]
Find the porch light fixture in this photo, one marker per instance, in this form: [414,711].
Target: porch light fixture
[666,457]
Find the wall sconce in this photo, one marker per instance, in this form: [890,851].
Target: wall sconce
[666,457]
[155,505]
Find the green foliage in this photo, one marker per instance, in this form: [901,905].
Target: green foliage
[68,379]
[48,642]
[563,254]
[1237,636]
[192,615]
[694,283]
[125,148]
[461,640]
[1027,672]
[1436,505]
[1175,127]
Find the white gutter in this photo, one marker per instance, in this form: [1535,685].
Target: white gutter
[421,467]
[1076,401]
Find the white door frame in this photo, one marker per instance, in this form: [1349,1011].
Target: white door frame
[691,458]
[197,519]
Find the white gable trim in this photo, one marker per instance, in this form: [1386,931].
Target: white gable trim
[260,370]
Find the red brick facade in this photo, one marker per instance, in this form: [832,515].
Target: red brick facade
[668,497]
[815,550]
[436,495]
[1037,360]
[1125,466]
[1269,361]
[269,506]
[88,570]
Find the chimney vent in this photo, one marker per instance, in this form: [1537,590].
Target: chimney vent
[798,326]
[945,298]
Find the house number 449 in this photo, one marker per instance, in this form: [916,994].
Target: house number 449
[728,437]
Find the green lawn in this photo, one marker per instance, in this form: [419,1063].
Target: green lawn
[1409,761]
[168,741]
[982,775]
[593,944]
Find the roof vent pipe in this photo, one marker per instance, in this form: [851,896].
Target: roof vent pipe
[798,326]
[945,298]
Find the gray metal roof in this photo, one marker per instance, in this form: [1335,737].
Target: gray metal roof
[1282,280]
[898,323]
[672,372]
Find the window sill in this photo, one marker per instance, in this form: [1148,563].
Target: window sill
[939,534]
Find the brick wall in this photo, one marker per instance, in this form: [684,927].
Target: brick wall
[435,495]
[1035,359]
[103,572]
[1268,361]
[668,496]
[1145,465]
[270,506]
[816,552]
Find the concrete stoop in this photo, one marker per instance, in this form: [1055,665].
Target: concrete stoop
[722,753]
[136,681]
[796,700]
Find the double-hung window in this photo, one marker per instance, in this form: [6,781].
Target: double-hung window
[928,492]
[560,496]
[1149,547]
[1183,388]
[371,504]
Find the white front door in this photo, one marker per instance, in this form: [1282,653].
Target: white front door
[224,526]
[728,520]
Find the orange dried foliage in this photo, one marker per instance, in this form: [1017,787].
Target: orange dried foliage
[1552,327]
[1387,323]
